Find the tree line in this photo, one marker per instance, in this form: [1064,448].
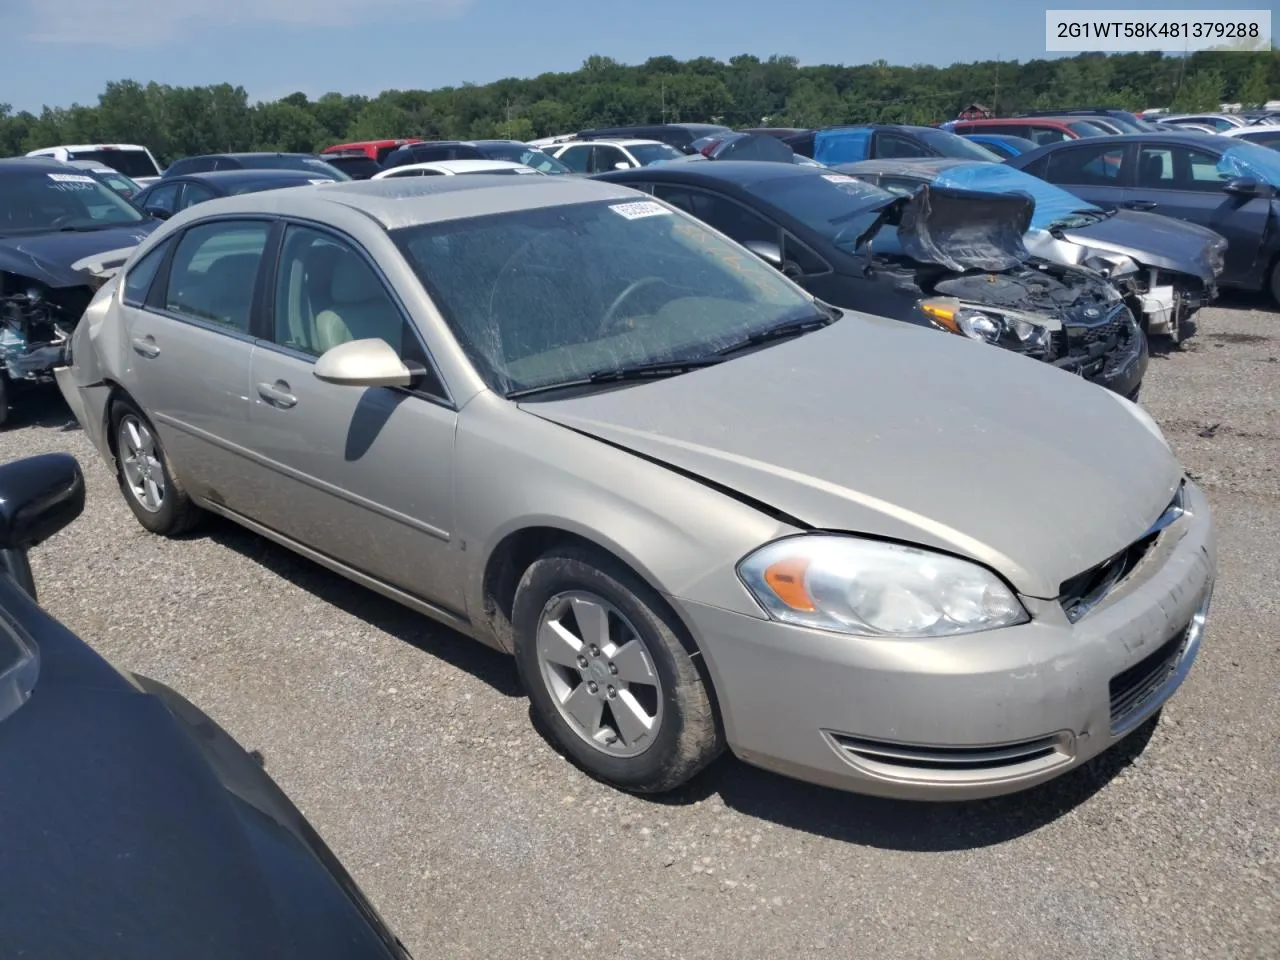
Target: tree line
[746,91]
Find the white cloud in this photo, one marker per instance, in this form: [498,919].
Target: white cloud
[139,23]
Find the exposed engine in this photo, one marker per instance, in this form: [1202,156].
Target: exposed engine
[35,323]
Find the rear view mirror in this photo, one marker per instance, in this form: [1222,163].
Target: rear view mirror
[770,253]
[363,363]
[38,497]
[158,213]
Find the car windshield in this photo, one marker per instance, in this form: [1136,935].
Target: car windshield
[1250,160]
[1055,207]
[46,202]
[522,153]
[648,153]
[285,161]
[953,145]
[132,163]
[553,295]
[839,207]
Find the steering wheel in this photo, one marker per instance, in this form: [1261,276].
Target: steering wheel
[610,320]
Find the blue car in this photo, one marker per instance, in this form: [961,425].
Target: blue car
[1004,144]
[1233,188]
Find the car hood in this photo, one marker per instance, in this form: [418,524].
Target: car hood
[49,257]
[965,230]
[891,430]
[1154,240]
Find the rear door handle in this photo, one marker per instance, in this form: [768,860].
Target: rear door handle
[277,394]
[146,346]
[1141,204]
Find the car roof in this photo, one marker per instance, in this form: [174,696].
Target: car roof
[928,167]
[739,172]
[412,201]
[1057,121]
[614,142]
[1190,139]
[457,166]
[31,165]
[232,177]
[73,147]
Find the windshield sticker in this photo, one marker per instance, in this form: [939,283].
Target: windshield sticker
[321,180]
[71,178]
[838,178]
[641,208]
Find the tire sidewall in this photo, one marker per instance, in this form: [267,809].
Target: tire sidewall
[561,573]
[166,518]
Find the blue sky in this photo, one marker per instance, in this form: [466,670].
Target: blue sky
[61,51]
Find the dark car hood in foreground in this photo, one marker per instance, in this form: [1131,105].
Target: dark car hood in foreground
[47,257]
[1154,240]
[879,427]
[135,828]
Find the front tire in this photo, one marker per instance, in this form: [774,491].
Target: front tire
[150,489]
[610,679]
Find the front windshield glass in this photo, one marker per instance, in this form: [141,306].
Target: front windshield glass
[552,295]
[839,207]
[523,153]
[39,202]
[1055,207]
[648,153]
[285,161]
[953,145]
[1244,159]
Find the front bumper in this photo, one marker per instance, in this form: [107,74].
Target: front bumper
[964,717]
[1117,361]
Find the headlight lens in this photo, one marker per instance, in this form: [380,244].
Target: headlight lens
[988,324]
[870,588]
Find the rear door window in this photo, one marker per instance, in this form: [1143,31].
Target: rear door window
[215,271]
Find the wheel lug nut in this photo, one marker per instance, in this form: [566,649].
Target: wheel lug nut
[591,685]
[612,693]
[582,662]
[595,651]
[613,669]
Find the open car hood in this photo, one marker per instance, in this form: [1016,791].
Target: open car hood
[965,230]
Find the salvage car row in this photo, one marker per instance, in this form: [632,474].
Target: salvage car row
[661,435]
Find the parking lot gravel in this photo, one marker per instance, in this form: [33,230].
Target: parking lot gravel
[410,749]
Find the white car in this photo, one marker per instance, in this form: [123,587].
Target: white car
[1263,134]
[597,156]
[452,168]
[135,162]
[1221,122]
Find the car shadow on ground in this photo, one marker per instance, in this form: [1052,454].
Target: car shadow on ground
[40,406]
[494,668]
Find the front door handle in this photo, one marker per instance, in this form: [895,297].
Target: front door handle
[277,394]
[146,346]
[1141,204]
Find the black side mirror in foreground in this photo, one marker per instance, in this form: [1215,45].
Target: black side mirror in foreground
[38,497]
[1244,187]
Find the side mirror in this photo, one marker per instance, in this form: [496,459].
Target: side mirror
[1244,187]
[770,253]
[159,213]
[363,363]
[38,497]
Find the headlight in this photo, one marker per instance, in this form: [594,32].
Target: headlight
[1142,417]
[874,589]
[989,324]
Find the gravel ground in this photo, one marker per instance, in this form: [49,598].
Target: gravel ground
[409,747]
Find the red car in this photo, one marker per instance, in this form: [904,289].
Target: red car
[373,149]
[1039,130]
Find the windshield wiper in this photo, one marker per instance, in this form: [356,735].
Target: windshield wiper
[783,331]
[656,370]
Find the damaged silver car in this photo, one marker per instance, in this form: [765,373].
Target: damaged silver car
[61,231]
[699,506]
[1167,269]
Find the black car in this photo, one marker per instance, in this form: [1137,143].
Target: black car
[134,826]
[513,151]
[954,262]
[679,135]
[52,218]
[254,161]
[171,195]
[356,164]
[1218,182]
[850,143]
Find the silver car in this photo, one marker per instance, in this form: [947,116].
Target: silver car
[698,506]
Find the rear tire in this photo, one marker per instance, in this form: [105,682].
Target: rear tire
[645,723]
[150,489]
